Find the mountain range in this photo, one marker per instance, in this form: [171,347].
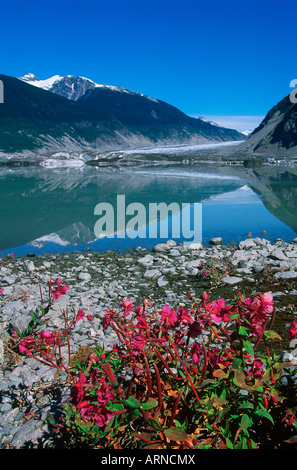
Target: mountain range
[74,114]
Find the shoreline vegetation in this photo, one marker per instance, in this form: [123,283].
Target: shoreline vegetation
[31,390]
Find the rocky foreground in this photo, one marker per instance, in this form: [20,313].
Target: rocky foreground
[97,281]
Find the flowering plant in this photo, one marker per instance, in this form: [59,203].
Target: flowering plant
[194,377]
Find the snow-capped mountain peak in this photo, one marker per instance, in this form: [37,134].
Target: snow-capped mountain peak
[72,87]
[29,77]
[45,84]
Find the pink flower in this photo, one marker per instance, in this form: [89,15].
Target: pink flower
[169,316]
[99,414]
[215,310]
[1,291]
[293,329]
[213,356]
[256,369]
[141,323]
[127,306]
[89,317]
[60,290]
[195,352]
[138,343]
[178,337]
[105,395]
[256,312]
[47,337]
[26,344]
[107,319]
[77,392]
[184,317]
[80,315]
[267,300]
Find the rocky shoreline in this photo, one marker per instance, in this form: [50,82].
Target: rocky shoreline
[100,280]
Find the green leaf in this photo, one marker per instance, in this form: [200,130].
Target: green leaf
[204,383]
[149,404]
[245,422]
[249,347]
[33,316]
[154,423]
[132,402]
[270,334]
[229,443]
[264,415]
[220,374]
[239,380]
[176,434]
[242,331]
[234,316]
[246,406]
[236,363]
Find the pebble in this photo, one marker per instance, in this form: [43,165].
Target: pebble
[84,276]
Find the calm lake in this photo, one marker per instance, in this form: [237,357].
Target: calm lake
[47,210]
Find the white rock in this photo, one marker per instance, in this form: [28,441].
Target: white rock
[29,266]
[246,244]
[232,280]
[161,247]
[151,273]
[84,276]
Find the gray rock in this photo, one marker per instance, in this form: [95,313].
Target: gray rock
[146,260]
[288,357]
[232,280]
[278,254]
[174,252]
[162,281]
[247,244]
[195,246]
[161,248]
[196,263]
[31,432]
[171,243]
[152,273]
[5,407]
[286,275]
[258,268]
[9,279]
[216,241]
[84,276]
[29,266]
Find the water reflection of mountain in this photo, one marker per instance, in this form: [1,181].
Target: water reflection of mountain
[35,202]
[277,187]
[58,204]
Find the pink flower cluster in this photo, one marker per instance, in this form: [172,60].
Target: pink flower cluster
[252,312]
[31,344]
[94,411]
[60,289]
[256,312]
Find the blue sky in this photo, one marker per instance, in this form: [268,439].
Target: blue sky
[230,60]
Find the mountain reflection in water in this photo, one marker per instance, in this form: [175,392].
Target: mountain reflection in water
[44,210]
